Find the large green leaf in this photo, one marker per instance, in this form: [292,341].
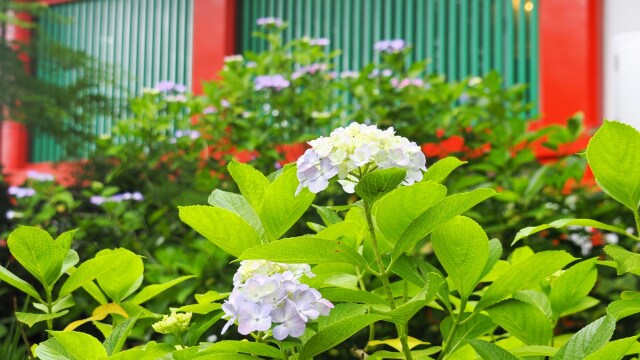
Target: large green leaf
[626,261]
[614,350]
[379,182]
[79,345]
[570,222]
[622,308]
[490,351]
[536,298]
[120,282]
[588,340]
[522,320]
[252,183]
[31,319]
[237,204]
[439,171]
[436,215]
[336,333]
[572,286]
[614,156]
[200,325]
[305,249]
[523,274]
[462,247]
[282,208]
[13,280]
[115,341]
[237,346]
[222,227]
[403,313]
[149,292]
[495,253]
[395,211]
[354,296]
[478,325]
[36,250]
[52,350]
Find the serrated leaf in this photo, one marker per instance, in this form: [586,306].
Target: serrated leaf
[115,341]
[396,344]
[521,275]
[199,308]
[52,350]
[614,350]
[626,261]
[613,154]
[475,327]
[237,204]
[417,354]
[305,249]
[495,253]
[622,308]
[37,252]
[537,299]
[570,222]
[535,350]
[588,340]
[403,313]
[120,282]
[572,286]
[200,325]
[354,296]
[31,318]
[439,171]
[438,214]
[222,227]
[393,213]
[490,351]
[336,333]
[13,280]
[379,182]
[522,320]
[251,182]
[282,208]
[462,247]
[238,346]
[79,345]
[149,292]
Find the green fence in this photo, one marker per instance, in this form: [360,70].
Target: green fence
[461,37]
[145,40]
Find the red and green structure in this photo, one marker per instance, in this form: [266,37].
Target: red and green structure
[554,46]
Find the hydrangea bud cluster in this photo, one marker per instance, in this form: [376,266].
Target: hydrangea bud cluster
[173,324]
[273,82]
[390,46]
[99,200]
[269,296]
[311,69]
[21,192]
[40,176]
[350,152]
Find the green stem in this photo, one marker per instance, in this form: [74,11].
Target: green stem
[180,340]
[456,321]
[50,310]
[402,335]
[636,216]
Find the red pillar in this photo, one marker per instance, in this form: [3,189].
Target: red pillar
[214,37]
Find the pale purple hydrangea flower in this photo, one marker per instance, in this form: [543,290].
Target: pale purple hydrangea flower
[268,295]
[225,103]
[99,200]
[319,42]
[165,86]
[376,73]
[311,70]
[349,74]
[191,134]
[209,110]
[180,98]
[10,214]
[401,84]
[269,21]
[40,176]
[274,82]
[21,192]
[390,46]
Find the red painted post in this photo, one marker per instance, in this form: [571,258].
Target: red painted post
[214,37]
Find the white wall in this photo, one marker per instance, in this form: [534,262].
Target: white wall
[621,38]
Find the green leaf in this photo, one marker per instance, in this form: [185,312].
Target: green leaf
[149,292]
[37,252]
[148,353]
[572,286]
[253,185]
[523,274]
[238,205]
[379,182]
[570,222]
[114,342]
[522,320]
[222,227]
[439,171]
[588,340]
[282,208]
[626,261]
[52,350]
[495,253]
[462,247]
[200,325]
[304,249]
[79,345]
[403,313]
[417,354]
[120,282]
[490,351]
[622,308]
[536,298]
[436,215]
[393,213]
[94,268]
[354,296]
[476,326]
[199,308]
[336,333]
[238,346]
[614,350]
[11,279]
[535,350]
[613,154]
[30,318]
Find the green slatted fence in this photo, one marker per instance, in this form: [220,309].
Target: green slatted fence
[145,40]
[461,37]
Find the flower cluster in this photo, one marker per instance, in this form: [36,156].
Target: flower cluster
[377,73]
[274,82]
[316,42]
[99,200]
[40,176]
[268,295]
[173,324]
[400,84]
[349,152]
[311,69]
[233,58]
[168,86]
[390,46]
[269,21]
[21,192]
[191,134]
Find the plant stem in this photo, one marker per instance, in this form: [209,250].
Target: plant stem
[636,216]
[402,333]
[456,322]
[50,310]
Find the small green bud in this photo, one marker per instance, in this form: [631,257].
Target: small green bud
[173,324]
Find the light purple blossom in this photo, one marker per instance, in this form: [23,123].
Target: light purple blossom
[376,73]
[274,82]
[269,21]
[225,103]
[180,98]
[97,200]
[400,84]
[209,110]
[349,74]
[40,176]
[191,134]
[289,320]
[390,46]
[10,214]
[311,70]
[319,42]
[165,86]
[314,172]
[126,196]
[180,88]
[21,192]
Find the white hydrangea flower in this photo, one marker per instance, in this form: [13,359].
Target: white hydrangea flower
[351,151]
[269,296]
